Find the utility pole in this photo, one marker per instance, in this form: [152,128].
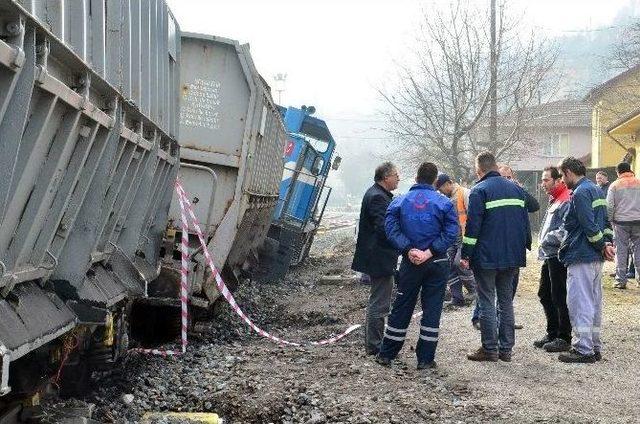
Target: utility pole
[493,89]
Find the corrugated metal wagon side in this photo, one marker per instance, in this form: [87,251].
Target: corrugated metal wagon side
[231,138]
[88,154]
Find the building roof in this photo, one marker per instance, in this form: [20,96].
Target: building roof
[628,124]
[561,114]
[595,92]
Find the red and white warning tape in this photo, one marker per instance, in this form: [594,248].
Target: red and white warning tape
[224,290]
[184,290]
[186,207]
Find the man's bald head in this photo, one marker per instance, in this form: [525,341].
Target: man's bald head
[506,172]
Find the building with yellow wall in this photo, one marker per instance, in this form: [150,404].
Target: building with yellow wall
[616,119]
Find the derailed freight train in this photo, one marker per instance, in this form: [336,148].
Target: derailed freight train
[89,95]
[90,100]
[93,95]
[232,137]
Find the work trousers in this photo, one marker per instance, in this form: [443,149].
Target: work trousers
[476,310]
[495,289]
[553,297]
[584,299]
[459,277]
[377,310]
[627,241]
[429,281]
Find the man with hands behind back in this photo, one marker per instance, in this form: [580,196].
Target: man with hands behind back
[421,224]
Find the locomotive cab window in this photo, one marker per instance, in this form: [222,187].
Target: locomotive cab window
[320,146]
[317,165]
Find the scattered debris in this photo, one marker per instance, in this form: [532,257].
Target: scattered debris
[238,375]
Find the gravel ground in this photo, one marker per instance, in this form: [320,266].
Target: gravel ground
[245,378]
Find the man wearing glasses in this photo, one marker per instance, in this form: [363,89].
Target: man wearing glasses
[374,256]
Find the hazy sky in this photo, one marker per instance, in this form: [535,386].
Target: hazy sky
[337,52]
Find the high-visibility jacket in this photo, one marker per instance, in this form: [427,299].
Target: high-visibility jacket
[623,200]
[497,232]
[587,225]
[460,197]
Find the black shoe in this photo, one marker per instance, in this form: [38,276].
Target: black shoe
[372,352]
[575,357]
[543,341]
[558,345]
[597,355]
[518,326]
[427,365]
[385,362]
[504,356]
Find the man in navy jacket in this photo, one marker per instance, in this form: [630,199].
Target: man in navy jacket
[583,250]
[421,224]
[495,246]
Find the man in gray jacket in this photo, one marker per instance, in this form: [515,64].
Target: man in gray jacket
[623,209]
[553,276]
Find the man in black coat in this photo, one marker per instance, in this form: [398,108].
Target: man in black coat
[374,255]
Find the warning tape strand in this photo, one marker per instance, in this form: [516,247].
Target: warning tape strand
[225,292]
[187,208]
[184,291]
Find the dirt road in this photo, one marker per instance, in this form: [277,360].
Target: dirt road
[246,378]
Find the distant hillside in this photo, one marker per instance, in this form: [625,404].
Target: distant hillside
[585,57]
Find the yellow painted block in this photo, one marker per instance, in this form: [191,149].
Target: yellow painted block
[109,331]
[193,417]
[32,401]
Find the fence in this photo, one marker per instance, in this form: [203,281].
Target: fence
[531,181]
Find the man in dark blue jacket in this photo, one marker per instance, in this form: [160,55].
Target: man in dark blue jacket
[421,224]
[374,256]
[494,245]
[532,205]
[583,250]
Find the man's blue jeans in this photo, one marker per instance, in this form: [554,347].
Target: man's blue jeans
[495,288]
[476,310]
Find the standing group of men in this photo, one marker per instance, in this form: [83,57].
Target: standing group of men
[478,239]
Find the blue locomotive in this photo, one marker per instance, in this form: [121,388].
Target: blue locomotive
[303,194]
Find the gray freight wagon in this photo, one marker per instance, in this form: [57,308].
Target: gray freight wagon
[232,138]
[89,95]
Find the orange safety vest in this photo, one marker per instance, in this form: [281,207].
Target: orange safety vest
[462,211]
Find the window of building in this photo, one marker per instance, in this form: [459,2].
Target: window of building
[556,145]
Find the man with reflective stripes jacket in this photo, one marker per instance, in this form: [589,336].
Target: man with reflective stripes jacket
[583,250]
[587,226]
[497,221]
[497,236]
[422,224]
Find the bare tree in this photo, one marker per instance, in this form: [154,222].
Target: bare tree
[440,105]
[626,51]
